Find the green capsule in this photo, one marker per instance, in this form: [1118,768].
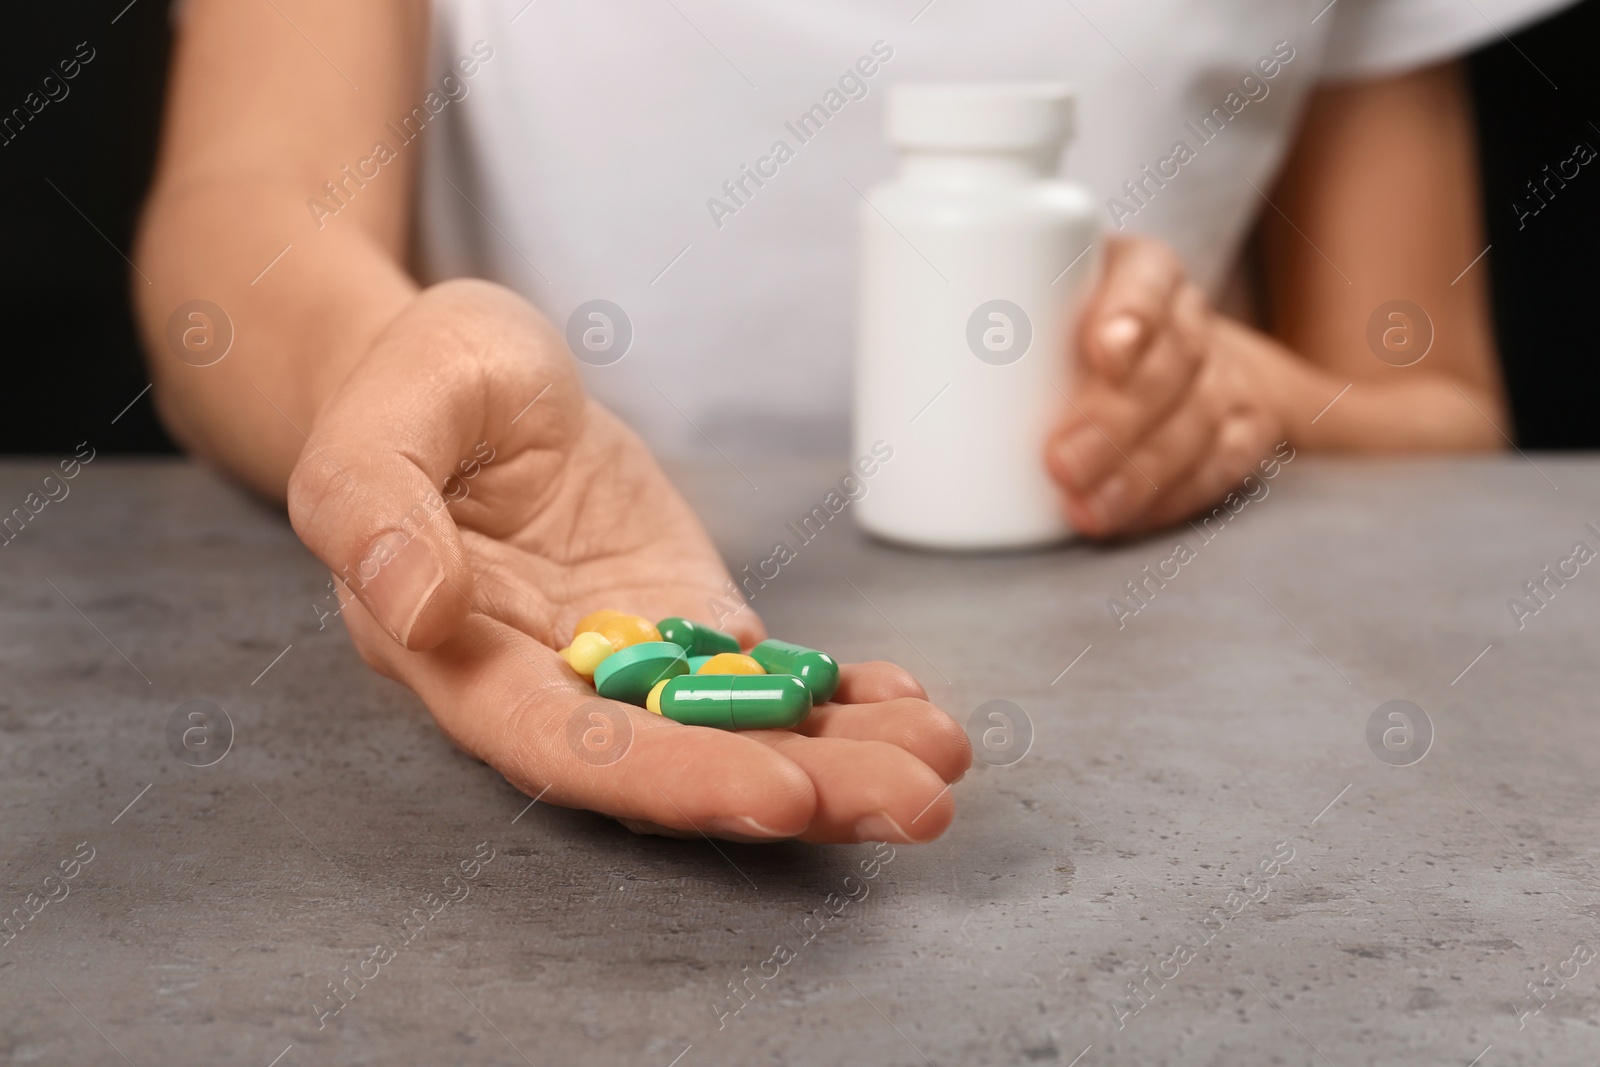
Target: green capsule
[696,639]
[629,674]
[817,669]
[733,701]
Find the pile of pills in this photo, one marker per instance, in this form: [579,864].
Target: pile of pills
[695,675]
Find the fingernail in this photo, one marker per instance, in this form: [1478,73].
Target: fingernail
[742,826]
[879,827]
[1119,336]
[396,578]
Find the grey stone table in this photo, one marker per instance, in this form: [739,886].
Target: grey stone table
[1204,857]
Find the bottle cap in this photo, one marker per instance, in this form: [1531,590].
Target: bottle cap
[991,117]
[981,117]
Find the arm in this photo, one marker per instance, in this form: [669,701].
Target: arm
[1377,202]
[357,397]
[1384,181]
[257,120]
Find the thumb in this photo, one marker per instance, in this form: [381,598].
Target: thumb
[427,407]
[371,492]
[374,516]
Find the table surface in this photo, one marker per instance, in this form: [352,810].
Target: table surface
[1393,914]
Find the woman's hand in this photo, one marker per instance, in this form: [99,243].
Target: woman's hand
[1171,404]
[475,505]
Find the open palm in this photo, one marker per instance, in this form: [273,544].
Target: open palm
[552,509]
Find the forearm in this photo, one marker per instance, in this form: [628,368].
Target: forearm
[258,122]
[1396,409]
[1379,201]
[298,327]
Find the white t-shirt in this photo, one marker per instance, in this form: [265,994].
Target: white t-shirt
[587,157]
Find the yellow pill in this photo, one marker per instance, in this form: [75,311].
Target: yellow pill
[653,701]
[586,652]
[731,663]
[593,620]
[625,630]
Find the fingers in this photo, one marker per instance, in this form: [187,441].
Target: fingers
[371,493]
[870,683]
[1240,441]
[514,703]
[1109,420]
[1142,415]
[880,757]
[881,701]
[1160,466]
[866,790]
[913,725]
[386,532]
[1129,307]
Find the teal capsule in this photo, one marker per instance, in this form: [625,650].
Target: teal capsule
[695,638]
[628,675]
[733,701]
[817,670]
[696,662]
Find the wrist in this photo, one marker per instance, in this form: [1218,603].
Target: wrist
[1412,411]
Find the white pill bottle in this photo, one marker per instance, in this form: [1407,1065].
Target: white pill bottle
[974,260]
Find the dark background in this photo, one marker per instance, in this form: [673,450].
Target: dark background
[72,359]
[72,181]
[1546,274]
